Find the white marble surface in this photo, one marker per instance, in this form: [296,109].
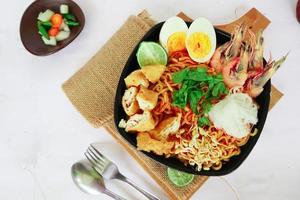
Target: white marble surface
[41,134]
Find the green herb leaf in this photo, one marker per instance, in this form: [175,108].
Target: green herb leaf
[178,77]
[197,75]
[206,107]
[42,30]
[196,85]
[46,24]
[71,23]
[223,88]
[180,96]
[203,121]
[217,90]
[211,85]
[194,98]
[69,17]
[219,77]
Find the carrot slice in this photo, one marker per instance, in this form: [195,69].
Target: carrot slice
[53,31]
[56,20]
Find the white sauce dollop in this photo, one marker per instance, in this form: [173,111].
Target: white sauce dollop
[235,114]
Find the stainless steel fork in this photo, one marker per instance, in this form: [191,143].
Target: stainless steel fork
[109,170]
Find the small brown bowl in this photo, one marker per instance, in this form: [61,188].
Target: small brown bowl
[30,37]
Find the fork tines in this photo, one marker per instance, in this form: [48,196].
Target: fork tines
[96,158]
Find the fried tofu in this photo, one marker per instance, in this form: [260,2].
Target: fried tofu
[136,78]
[122,123]
[129,102]
[148,144]
[153,72]
[147,99]
[140,122]
[166,127]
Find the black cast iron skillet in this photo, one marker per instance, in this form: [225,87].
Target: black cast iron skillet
[263,100]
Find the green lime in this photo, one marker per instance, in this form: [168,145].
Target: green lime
[179,178]
[151,53]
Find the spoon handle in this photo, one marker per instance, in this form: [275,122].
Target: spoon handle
[145,193]
[113,195]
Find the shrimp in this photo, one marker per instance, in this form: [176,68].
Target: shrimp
[242,64]
[217,60]
[225,54]
[254,85]
[236,42]
[235,72]
[258,54]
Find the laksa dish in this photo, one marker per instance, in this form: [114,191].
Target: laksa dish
[192,99]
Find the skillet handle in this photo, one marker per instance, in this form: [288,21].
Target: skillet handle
[253,18]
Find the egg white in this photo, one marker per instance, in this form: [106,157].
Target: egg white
[204,26]
[171,25]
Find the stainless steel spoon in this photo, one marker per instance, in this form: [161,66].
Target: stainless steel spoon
[89,181]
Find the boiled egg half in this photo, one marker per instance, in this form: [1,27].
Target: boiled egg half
[172,35]
[201,40]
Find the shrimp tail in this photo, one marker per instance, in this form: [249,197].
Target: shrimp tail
[236,41]
[258,54]
[257,83]
[270,70]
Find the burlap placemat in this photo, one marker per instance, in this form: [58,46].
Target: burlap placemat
[92,89]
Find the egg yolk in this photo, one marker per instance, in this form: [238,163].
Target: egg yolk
[176,41]
[199,45]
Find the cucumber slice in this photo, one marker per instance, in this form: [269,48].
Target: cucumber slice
[64,9]
[45,16]
[64,27]
[62,35]
[50,42]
